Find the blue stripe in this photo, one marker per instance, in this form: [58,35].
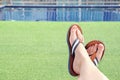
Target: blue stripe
[61,6]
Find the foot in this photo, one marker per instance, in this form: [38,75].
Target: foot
[98,49]
[80,48]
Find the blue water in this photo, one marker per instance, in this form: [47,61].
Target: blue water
[59,14]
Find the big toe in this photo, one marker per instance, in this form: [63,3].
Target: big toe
[100,51]
[72,35]
[80,36]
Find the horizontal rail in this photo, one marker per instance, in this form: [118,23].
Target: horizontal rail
[61,6]
[64,2]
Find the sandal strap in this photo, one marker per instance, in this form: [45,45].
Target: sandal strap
[74,46]
[95,61]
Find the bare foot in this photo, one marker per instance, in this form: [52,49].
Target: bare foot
[78,56]
[98,49]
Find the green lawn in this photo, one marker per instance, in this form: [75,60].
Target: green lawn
[38,50]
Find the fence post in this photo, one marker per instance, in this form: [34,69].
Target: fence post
[0,2]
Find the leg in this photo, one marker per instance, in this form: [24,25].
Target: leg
[82,63]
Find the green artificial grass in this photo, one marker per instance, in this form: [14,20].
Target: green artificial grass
[38,50]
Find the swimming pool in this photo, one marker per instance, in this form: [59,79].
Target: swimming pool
[59,14]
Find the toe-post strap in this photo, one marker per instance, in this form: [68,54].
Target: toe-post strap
[95,61]
[74,46]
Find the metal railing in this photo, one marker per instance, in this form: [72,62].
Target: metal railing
[64,2]
[61,13]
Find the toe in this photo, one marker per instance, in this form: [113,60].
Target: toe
[72,35]
[80,36]
[100,51]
